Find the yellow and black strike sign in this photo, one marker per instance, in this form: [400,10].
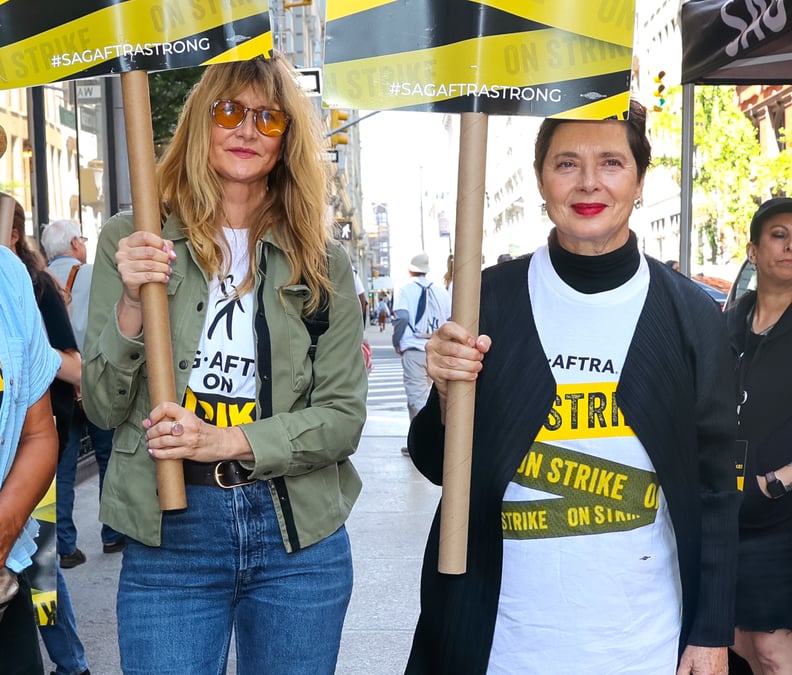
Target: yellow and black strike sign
[50,40]
[565,58]
[43,582]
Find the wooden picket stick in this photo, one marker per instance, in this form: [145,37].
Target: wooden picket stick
[6,219]
[156,324]
[6,202]
[460,404]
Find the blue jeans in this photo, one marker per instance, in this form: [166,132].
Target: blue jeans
[102,442]
[222,566]
[61,640]
[65,531]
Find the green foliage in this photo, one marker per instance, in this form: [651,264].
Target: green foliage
[775,173]
[727,180]
[168,90]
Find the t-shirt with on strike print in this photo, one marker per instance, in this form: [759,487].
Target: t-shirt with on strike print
[222,385]
[590,577]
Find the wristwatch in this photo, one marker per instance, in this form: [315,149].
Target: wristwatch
[774,485]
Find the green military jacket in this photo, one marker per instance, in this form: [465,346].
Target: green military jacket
[302,449]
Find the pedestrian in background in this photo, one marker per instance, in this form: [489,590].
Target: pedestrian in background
[61,640]
[28,456]
[760,327]
[261,549]
[448,277]
[603,509]
[64,245]
[383,312]
[419,308]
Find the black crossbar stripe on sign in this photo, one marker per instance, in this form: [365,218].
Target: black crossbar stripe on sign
[222,38]
[449,22]
[21,19]
[574,96]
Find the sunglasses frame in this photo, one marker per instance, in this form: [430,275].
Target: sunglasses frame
[256,117]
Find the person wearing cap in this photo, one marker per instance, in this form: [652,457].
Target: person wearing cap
[760,329]
[409,340]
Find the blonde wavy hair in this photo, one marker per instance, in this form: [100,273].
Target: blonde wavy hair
[294,206]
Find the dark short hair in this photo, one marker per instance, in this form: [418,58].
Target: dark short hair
[769,208]
[636,137]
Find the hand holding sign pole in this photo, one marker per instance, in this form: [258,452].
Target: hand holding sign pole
[460,402]
[156,325]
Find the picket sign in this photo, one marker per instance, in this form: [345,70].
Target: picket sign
[569,58]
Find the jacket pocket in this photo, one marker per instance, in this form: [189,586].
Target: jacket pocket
[294,299]
[128,437]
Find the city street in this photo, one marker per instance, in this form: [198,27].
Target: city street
[387,529]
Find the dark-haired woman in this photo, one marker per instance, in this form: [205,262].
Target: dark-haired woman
[602,533]
[760,326]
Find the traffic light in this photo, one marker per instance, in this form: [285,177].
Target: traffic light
[659,92]
[337,119]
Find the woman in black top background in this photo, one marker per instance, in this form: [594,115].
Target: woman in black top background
[760,328]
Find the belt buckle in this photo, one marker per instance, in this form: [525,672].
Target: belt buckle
[219,479]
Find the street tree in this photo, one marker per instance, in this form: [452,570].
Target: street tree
[727,167]
[168,90]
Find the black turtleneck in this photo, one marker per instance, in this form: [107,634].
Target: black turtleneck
[595,273]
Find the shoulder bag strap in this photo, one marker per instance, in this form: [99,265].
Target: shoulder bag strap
[72,275]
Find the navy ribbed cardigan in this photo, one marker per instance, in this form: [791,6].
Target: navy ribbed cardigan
[677,393]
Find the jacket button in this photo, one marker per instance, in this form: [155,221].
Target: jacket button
[183,364]
[266,473]
[122,392]
[200,306]
[134,356]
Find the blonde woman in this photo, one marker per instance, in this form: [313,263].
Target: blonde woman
[265,428]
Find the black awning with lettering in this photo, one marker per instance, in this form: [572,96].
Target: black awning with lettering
[736,41]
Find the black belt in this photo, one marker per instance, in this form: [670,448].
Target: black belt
[226,474]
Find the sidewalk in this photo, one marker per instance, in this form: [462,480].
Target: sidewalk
[387,528]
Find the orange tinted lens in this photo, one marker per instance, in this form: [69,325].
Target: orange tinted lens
[271,122]
[228,114]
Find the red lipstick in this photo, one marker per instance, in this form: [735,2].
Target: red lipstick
[586,209]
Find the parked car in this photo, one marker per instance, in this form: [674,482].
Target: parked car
[745,281]
[716,294]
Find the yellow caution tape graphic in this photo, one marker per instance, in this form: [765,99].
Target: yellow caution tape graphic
[497,56]
[100,37]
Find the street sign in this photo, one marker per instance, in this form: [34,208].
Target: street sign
[89,90]
[310,80]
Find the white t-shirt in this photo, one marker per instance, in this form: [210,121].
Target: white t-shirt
[358,283]
[222,385]
[590,573]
